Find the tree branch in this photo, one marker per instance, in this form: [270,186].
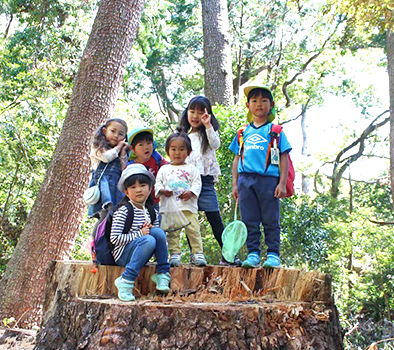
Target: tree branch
[305,66]
[337,174]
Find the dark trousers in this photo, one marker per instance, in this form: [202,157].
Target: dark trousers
[259,206]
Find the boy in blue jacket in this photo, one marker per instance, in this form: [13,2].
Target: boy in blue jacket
[259,180]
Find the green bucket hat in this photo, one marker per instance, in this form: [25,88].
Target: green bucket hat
[248,89]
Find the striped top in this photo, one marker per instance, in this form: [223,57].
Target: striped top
[120,239]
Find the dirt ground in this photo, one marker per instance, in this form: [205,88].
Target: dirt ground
[17,339]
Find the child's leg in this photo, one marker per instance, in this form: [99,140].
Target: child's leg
[250,211]
[161,251]
[208,203]
[193,232]
[136,255]
[270,213]
[173,239]
[215,220]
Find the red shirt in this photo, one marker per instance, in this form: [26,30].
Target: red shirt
[152,166]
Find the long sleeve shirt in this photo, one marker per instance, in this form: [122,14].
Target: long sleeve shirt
[206,163]
[106,157]
[120,239]
[179,178]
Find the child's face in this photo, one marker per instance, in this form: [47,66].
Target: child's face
[114,133]
[178,151]
[143,149]
[138,192]
[260,108]
[194,118]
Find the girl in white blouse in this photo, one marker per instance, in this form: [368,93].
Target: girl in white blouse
[199,121]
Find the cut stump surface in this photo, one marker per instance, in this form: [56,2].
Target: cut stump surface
[214,307]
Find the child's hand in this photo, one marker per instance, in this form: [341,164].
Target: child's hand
[186,195]
[280,191]
[206,119]
[234,192]
[166,193]
[146,228]
[119,147]
[124,149]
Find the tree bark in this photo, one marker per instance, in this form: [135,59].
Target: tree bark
[217,52]
[390,63]
[58,210]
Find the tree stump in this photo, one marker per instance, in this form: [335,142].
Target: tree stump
[214,307]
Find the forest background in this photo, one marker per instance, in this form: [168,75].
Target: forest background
[325,68]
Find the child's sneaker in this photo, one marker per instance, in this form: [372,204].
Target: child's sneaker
[125,289]
[175,259]
[162,281]
[198,259]
[253,260]
[237,262]
[273,260]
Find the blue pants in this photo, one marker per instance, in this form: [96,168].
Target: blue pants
[138,252]
[258,205]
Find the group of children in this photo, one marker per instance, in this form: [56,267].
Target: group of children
[132,185]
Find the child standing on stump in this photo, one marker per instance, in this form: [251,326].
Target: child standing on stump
[108,157]
[256,183]
[134,248]
[182,181]
[201,124]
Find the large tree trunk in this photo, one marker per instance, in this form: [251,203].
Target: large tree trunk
[58,210]
[390,60]
[217,52]
[213,307]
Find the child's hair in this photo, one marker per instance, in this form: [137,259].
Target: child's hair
[200,103]
[99,141]
[260,92]
[182,134]
[142,179]
[142,136]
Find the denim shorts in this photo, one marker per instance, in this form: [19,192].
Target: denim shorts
[208,201]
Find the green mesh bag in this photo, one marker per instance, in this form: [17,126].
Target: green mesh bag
[233,237]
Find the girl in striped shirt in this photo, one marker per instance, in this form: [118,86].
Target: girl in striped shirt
[134,247]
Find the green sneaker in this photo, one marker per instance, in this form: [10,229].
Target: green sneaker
[162,281]
[125,289]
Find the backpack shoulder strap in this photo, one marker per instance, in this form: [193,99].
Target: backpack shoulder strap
[157,157]
[130,217]
[240,138]
[275,131]
[152,213]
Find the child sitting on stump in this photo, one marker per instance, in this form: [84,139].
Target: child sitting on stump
[134,248]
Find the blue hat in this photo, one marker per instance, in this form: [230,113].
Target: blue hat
[139,129]
[133,133]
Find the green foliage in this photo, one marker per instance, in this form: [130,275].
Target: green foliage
[38,63]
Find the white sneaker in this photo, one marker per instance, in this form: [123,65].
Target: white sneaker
[198,259]
[175,259]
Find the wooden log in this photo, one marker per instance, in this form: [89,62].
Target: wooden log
[208,308]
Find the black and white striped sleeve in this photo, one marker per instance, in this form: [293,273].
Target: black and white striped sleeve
[118,238]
